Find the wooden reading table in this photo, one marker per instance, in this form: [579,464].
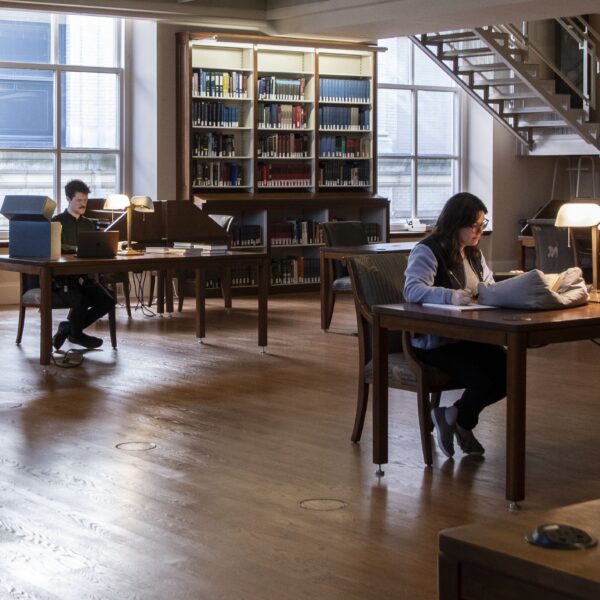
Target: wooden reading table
[517,330]
[492,560]
[46,269]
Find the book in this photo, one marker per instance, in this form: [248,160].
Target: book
[163,250]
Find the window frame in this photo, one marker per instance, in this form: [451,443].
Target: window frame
[414,156]
[58,69]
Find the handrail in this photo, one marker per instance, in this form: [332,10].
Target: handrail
[587,39]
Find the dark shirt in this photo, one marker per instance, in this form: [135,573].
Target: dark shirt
[70,230]
[452,277]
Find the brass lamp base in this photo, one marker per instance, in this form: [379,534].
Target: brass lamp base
[129,252]
[594,296]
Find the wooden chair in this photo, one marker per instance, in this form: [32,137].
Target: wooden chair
[379,279]
[30,297]
[341,233]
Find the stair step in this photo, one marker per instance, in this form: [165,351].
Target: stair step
[456,36]
[525,95]
[501,81]
[466,69]
[542,124]
[481,51]
[524,110]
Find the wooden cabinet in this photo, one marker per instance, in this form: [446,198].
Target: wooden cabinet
[260,115]
[281,134]
[291,231]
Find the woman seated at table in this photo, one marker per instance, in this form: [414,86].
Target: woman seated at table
[445,268]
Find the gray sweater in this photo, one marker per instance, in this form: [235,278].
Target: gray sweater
[419,288]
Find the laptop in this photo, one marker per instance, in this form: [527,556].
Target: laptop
[97,244]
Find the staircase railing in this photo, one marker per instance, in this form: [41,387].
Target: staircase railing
[587,39]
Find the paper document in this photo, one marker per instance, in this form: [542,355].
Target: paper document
[458,308]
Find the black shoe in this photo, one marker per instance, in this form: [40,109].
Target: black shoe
[64,329]
[87,341]
[468,443]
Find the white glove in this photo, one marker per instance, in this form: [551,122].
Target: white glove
[461,297]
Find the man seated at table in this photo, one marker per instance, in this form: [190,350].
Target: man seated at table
[88,299]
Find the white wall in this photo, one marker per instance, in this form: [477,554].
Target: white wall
[512,187]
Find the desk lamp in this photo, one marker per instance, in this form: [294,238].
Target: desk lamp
[122,202]
[583,214]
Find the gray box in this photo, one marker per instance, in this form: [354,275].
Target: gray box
[28,208]
[30,232]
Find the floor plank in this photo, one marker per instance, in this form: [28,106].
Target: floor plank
[241,439]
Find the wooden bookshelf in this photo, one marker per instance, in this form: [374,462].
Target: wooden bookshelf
[275,131]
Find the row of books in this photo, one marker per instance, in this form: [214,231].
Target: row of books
[282,115]
[240,276]
[284,174]
[295,231]
[295,269]
[215,114]
[344,117]
[277,88]
[343,146]
[213,144]
[344,173]
[219,84]
[246,235]
[344,90]
[372,231]
[292,145]
[220,174]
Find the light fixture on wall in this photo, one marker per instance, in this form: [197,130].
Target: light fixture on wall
[137,203]
[583,214]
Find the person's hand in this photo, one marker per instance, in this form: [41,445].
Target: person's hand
[461,297]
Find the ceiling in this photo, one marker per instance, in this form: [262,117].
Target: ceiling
[349,19]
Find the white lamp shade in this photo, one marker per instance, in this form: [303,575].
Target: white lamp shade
[116,202]
[578,214]
[142,204]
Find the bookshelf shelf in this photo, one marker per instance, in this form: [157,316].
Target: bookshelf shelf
[300,148]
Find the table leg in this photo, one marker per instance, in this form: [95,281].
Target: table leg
[169,291]
[325,277]
[200,289]
[263,295]
[160,292]
[380,394]
[515,417]
[45,317]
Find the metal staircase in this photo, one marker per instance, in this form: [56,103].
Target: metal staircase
[501,69]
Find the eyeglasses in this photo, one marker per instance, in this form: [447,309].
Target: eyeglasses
[479,226]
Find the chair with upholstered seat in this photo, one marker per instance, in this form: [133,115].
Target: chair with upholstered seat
[379,279]
[553,253]
[31,297]
[341,233]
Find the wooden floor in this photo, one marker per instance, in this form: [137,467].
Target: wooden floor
[214,511]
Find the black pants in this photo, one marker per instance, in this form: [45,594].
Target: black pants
[87,299]
[481,368]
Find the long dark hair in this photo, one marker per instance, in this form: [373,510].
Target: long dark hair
[461,210]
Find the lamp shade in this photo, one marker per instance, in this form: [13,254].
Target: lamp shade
[578,214]
[142,204]
[116,202]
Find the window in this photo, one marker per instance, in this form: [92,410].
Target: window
[61,85]
[418,125]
